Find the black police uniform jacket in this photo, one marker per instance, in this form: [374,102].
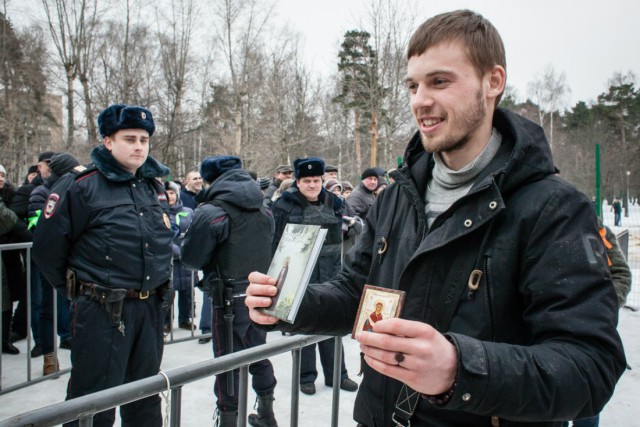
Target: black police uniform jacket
[537,340]
[231,231]
[292,207]
[111,227]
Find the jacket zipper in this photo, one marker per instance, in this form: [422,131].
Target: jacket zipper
[487,298]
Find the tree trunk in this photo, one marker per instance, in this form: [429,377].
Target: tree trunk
[374,139]
[70,116]
[92,133]
[356,127]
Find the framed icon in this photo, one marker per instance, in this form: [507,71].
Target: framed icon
[377,304]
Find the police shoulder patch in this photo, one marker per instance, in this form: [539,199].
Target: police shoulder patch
[52,203]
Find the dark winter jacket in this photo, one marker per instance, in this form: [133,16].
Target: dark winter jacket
[270,191]
[188,198]
[110,226]
[359,201]
[294,208]
[181,216]
[38,200]
[537,340]
[212,228]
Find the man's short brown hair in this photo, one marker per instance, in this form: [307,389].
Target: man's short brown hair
[481,39]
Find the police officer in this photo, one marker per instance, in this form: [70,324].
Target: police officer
[308,202]
[229,237]
[105,239]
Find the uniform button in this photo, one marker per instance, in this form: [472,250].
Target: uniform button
[146,245]
[148,277]
[141,214]
[133,185]
[468,223]
[493,205]
[466,397]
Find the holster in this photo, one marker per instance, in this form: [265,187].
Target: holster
[214,287]
[71,284]
[111,299]
[166,295]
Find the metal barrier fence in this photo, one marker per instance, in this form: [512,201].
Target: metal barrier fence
[85,407]
[29,380]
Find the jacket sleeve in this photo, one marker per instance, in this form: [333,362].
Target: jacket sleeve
[37,202]
[210,226]
[8,219]
[339,298]
[620,272]
[56,232]
[571,365]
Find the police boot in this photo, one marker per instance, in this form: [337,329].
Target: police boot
[226,419]
[265,416]
[50,364]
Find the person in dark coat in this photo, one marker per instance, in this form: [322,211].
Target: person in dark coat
[362,197]
[229,237]
[181,216]
[308,202]
[104,239]
[510,313]
[60,164]
[282,173]
[192,187]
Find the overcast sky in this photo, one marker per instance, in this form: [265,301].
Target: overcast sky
[585,39]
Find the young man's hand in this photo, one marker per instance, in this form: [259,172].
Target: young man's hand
[260,292]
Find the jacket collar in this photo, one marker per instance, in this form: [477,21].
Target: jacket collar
[524,157]
[111,169]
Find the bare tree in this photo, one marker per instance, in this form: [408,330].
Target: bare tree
[239,33]
[174,33]
[550,92]
[71,24]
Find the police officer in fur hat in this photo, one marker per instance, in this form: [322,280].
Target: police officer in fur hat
[232,211]
[308,202]
[104,239]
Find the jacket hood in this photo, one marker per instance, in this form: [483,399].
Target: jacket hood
[235,187]
[530,156]
[110,168]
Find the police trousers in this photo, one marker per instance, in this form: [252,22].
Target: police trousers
[105,356]
[245,335]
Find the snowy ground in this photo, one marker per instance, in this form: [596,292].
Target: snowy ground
[315,411]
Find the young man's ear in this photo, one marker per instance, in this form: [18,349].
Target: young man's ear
[496,81]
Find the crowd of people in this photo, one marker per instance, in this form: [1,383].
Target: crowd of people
[511,284]
[114,237]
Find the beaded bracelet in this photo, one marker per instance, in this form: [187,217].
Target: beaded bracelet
[442,398]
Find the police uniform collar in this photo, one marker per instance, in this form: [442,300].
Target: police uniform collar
[111,169]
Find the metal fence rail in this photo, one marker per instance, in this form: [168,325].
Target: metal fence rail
[83,408]
[29,379]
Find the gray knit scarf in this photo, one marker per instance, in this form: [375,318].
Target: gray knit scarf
[446,185]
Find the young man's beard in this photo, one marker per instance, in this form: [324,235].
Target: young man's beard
[469,121]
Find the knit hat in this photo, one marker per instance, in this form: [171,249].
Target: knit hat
[264,182]
[170,185]
[214,166]
[32,169]
[308,166]
[61,163]
[3,170]
[45,156]
[369,172]
[346,185]
[331,184]
[122,116]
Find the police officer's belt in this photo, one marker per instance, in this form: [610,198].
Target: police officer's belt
[100,292]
